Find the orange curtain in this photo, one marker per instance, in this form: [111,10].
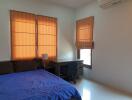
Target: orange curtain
[47,36]
[23,35]
[84,33]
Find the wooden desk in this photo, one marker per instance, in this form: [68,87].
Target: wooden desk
[61,62]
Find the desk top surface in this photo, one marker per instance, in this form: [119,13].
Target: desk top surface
[67,60]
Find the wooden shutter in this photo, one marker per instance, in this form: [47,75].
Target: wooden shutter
[84,33]
[23,35]
[47,36]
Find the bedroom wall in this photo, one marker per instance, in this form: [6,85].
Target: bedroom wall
[65,24]
[112,55]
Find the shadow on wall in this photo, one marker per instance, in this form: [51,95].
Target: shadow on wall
[67,47]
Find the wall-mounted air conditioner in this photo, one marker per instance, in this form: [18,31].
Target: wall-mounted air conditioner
[108,3]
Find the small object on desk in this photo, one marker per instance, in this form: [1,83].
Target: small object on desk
[47,66]
[44,59]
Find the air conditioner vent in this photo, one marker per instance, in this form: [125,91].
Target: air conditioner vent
[108,3]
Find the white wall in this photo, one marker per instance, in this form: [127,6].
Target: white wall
[112,56]
[65,24]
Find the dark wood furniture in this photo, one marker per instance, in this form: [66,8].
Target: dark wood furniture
[53,66]
[7,67]
[60,63]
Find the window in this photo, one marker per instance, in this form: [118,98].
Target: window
[85,55]
[23,35]
[47,36]
[84,39]
[33,36]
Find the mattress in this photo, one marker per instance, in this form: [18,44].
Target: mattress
[36,85]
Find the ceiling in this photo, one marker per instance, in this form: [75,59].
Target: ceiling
[71,3]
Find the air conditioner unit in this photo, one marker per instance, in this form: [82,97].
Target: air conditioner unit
[108,3]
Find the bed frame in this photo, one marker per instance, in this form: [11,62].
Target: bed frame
[7,67]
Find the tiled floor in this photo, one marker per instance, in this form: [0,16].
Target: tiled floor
[93,91]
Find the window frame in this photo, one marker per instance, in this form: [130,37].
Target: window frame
[91,21]
[56,35]
[11,36]
[85,65]
[36,36]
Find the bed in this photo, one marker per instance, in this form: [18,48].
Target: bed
[36,85]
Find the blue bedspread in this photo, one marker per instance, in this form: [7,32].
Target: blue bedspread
[35,85]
